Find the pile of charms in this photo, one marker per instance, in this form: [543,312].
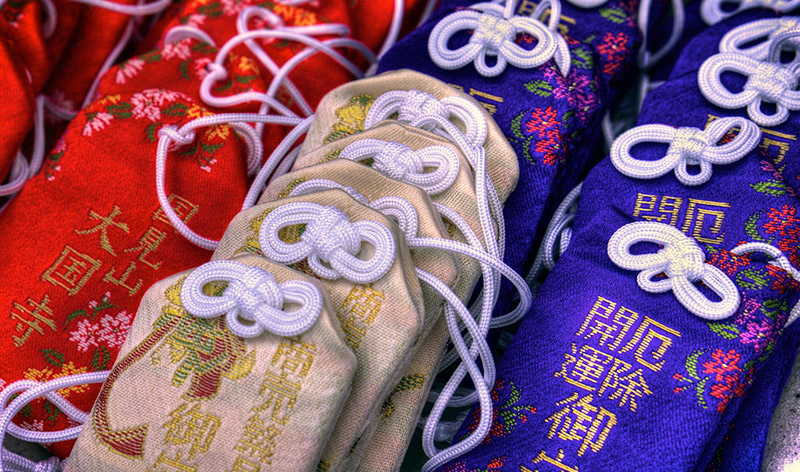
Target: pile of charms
[358,295]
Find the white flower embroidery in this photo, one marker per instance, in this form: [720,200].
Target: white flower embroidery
[96,122]
[128,69]
[85,335]
[233,7]
[146,103]
[34,425]
[180,50]
[200,70]
[114,329]
[196,20]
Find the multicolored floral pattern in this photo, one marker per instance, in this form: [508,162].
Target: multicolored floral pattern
[506,417]
[717,376]
[614,51]
[542,135]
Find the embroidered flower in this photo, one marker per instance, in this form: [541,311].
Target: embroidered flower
[722,364]
[759,334]
[86,335]
[180,50]
[96,121]
[128,69]
[577,89]
[35,425]
[614,50]
[782,281]
[547,133]
[200,69]
[196,20]
[43,375]
[233,7]
[728,262]
[114,329]
[784,224]
[146,103]
[506,416]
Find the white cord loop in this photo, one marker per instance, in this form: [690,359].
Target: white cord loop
[766,82]
[737,39]
[329,238]
[688,146]
[254,296]
[712,13]
[557,236]
[400,162]
[779,260]
[682,260]
[27,391]
[494,35]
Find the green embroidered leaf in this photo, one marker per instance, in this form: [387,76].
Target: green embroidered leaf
[210,148]
[751,227]
[74,315]
[691,363]
[101,358]
[184,69]
[539,87]
[526,150]
[120,110]
[770,187]
[752,279]
[701,390]
[151,57]
[589,39]
[614,15]
[190,151]
[726,330]
[53,411]
[582,59]
[226,86]
[151,132]
[245,79]
[568,116]
[774,308]
[516,126]
[53,357]
[176,109]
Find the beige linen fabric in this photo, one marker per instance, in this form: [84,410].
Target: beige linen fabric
[188,395]
[381,321]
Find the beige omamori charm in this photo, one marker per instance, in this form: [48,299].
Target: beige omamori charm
[187,394]
[382,320]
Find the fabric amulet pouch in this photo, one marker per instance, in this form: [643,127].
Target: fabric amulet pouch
[95,255]
[188,393]
[378,302]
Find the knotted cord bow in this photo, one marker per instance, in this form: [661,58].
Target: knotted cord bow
[400,162]
[254,296]
[494,35]
[712,13]
[779,259]
[329,238]
[682,260]
[687,146]
[766,82]
[766,30]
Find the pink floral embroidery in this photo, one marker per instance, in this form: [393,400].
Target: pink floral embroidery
[85,335]
[195,19]
[128,69]
[114,329]
[146,103]
[759,334]
[722,363]
[200,70]
[544,124]
[180,50]
[96,122]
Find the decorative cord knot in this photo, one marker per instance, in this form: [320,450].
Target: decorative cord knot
[492,31]
[766,81]
[494,34]
[760,32]
[690,143]
[687,146]
[400,162]
[771,81]
[330,242]
[682,260]
[712,12]
[172,133]
[331,232]
[252,296]
[397,160]
[418,104]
